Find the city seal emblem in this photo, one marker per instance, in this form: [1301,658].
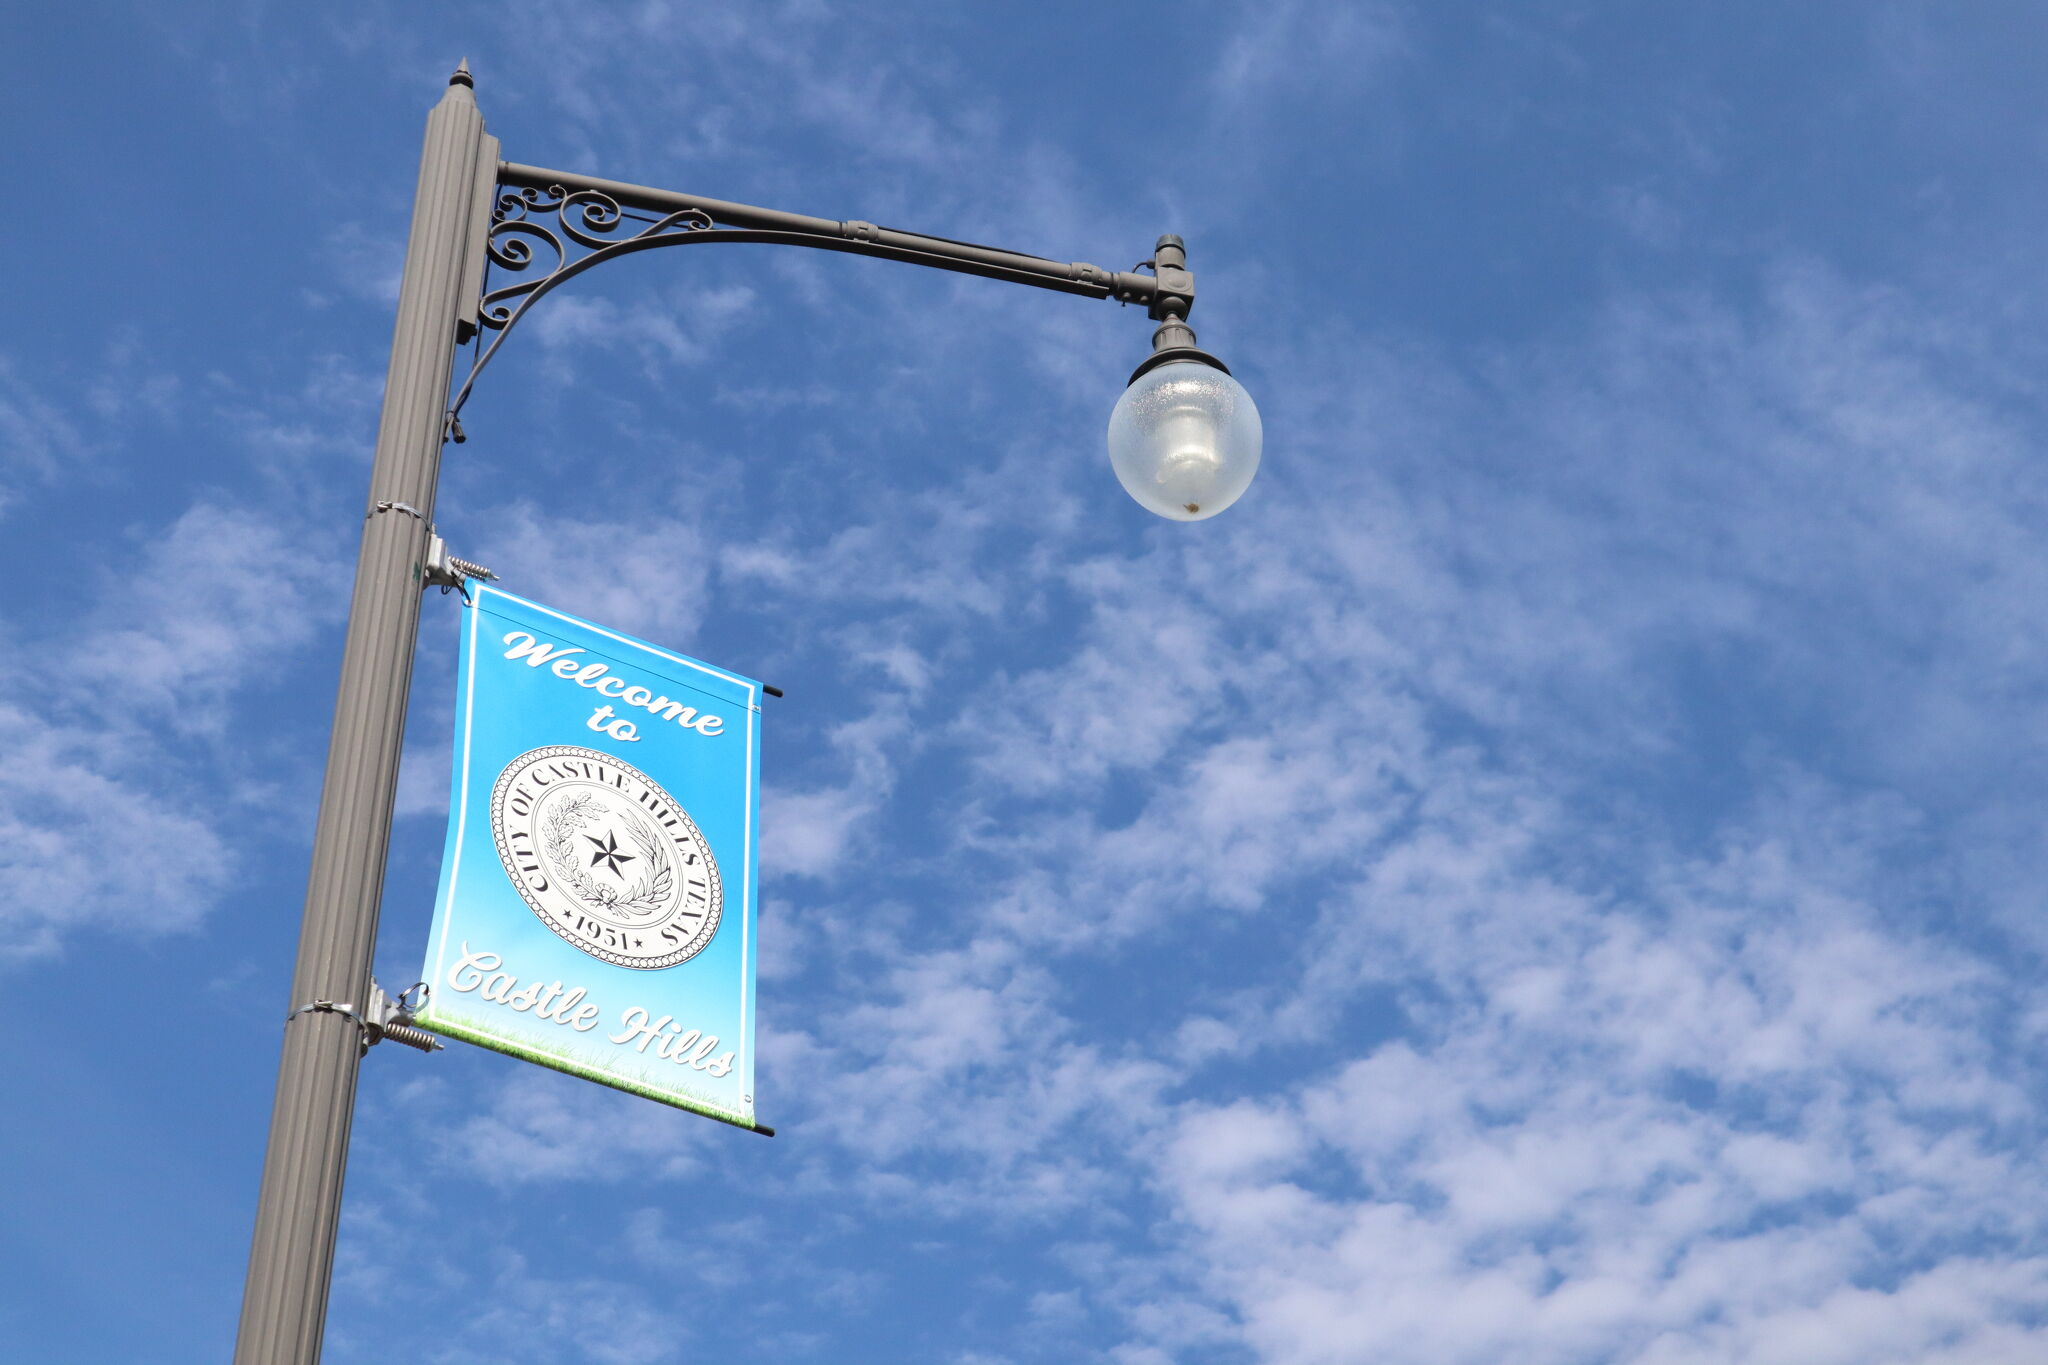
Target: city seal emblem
[605,857]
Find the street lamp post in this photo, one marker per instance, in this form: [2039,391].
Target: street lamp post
[1184,440]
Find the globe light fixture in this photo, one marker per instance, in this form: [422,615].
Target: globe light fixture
[1184,438]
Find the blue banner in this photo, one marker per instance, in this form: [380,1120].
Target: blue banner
[596,908]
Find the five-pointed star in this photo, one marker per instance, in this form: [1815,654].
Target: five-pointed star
[608,851]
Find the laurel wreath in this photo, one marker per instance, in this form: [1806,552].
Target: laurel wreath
[643,897]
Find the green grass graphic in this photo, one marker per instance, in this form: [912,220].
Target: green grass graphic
[477,1032]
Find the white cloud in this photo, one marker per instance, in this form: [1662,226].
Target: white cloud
[37,438]
[542,1126]
[682,328]
[523,1302]
[111,827]
[644,573]
[1287,45]
[66,801]
[812,832]
[808,833]
[220,595]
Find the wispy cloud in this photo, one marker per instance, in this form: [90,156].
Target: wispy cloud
[1283,47]
[37,437]
[64,803]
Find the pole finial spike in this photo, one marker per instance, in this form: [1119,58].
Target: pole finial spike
[462,76]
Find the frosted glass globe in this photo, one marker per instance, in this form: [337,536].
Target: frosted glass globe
[1184,440]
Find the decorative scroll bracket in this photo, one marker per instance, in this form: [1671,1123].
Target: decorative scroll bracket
[584,217]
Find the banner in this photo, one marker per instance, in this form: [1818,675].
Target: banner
[596,908]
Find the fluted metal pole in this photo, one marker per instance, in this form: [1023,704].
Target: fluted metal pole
[291,1259]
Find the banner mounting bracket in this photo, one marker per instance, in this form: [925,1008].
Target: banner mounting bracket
[382,1017]
[445,571]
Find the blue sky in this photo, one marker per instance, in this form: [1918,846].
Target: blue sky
[1553,877]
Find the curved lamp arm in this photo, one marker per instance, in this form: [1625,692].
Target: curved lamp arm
[589,212]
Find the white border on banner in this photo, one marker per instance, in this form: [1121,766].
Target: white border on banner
[752,689]
[468,665]
[746,894]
